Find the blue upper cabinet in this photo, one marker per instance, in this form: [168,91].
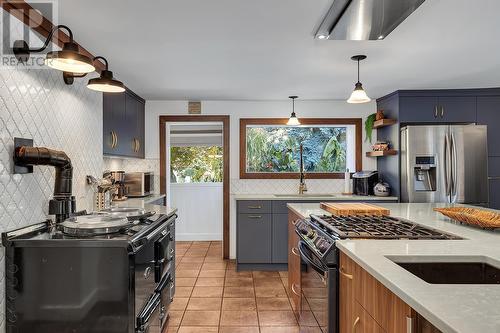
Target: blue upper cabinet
[123,124]
[437,109]
[488,113]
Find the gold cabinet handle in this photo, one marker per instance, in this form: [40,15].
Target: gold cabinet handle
[341,271]
[294,291]
[409,324]
[135,146]
[356,321]
[295,222]
[295,251]
[442,111]
[254,216]
[254,207]
[116,139]
[138,145]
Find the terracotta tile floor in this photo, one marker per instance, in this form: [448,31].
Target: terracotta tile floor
[211,296]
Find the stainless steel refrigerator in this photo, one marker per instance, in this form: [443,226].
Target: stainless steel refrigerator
[444,163]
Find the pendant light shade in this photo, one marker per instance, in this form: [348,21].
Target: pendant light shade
[106,82]
[359,95]
[293,120]
[69,59]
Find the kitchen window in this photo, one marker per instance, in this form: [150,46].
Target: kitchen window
[271,149]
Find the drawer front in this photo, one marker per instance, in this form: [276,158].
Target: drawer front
[254,207]
[363,322]
[254,240]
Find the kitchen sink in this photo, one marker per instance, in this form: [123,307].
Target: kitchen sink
[447,272]
[305,195]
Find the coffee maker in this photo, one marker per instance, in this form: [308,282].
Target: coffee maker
[118,179]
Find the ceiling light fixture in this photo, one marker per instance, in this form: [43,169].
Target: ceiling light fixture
[104,83]
[358,95]
[69,59]
[293,120]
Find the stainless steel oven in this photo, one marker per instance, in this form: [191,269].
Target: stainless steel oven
[139,184]
[319,290]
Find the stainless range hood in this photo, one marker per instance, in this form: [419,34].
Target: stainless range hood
[364,19]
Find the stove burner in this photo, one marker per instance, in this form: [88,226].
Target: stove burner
[379,227]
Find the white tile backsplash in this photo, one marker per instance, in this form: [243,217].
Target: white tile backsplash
[284,186]
[37,104]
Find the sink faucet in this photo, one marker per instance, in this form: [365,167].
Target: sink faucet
[302,184]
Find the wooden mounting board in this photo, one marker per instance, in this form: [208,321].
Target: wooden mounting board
[356,208]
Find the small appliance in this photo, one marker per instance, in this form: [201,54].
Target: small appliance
[139,184]
[364,182]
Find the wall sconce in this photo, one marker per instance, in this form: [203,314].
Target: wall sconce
[69,59]
[104,83]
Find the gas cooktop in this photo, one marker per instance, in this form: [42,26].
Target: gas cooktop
[376,227]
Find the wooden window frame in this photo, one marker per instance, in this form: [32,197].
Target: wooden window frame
[244,122]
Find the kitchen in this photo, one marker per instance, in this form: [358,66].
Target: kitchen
[271,252]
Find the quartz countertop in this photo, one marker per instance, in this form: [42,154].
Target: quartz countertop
[451,308]
[145,203]
[314,196]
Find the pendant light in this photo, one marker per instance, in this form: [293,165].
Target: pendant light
[293,120]
[358,95]
[69,59]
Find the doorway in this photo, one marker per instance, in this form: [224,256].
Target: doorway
[182,126]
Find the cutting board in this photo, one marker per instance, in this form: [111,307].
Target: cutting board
[346,209]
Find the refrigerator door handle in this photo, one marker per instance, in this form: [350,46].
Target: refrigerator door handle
[454,171]
[446,162]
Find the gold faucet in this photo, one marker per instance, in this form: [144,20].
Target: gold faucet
[302,184]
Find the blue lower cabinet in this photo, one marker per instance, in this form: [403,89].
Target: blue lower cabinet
[279,253]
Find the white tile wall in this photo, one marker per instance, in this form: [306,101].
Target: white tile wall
[37,104]
[284,186]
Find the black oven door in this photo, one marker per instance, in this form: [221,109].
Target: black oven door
[148,318]
[166,291]
[164,254]
[319,287]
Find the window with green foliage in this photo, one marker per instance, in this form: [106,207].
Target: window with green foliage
[196,164]
[275,149]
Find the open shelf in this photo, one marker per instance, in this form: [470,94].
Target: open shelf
[384,122]
[381,153]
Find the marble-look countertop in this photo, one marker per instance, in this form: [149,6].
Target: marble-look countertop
[315,197]
[145,203]
[451,308]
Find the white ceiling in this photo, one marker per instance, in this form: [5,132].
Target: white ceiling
[264,49]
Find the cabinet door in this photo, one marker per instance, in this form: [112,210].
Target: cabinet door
[418,109]
[294,263]
[107,124]
[346,297]
[140,129]
[119,123]
[488,113]
[494,193]
[363,323]
[280,238]
[457,109]
[254,238]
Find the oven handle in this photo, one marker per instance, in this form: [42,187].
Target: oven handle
[147,312]
[323,270]
[144,239]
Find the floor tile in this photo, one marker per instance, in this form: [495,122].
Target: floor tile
[207,292]
[239,318]
[239,304]
[184,282]
[189,266]
[204,303]
[183,291]
[179,304]
[240,292]
[306,318]
[210,282]
[236,329]
[233,273]
[265,274]
[175,317]
[201,318]
[187,273]
[188,329]
[268,282]
[214,273]
[287,329]
[272,303]
[277,318]
[239,282]
[270,292]
[214,265]
[192,259]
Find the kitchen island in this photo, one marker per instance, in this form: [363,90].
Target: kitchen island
[448,307]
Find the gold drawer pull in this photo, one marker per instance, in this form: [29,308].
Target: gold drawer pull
[254,207]
[349,276]
[295,222]
[294,291]
[355,324]
[295,251]
[254,216]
